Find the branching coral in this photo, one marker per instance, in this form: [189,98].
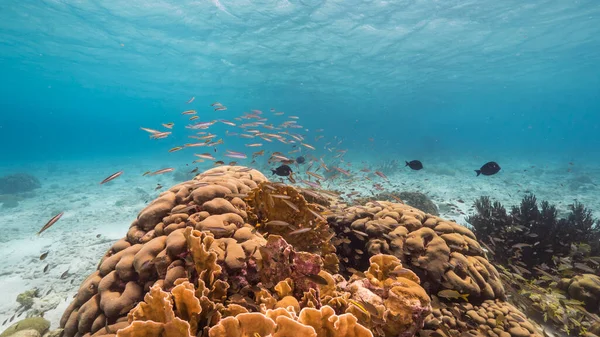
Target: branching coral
[531,236]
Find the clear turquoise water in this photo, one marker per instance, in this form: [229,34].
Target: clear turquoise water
[433,79]
[455,83]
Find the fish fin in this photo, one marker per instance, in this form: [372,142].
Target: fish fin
[478,172]
[272,171]
[406,164]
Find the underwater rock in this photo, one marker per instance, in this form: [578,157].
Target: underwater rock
[18,183]
[38,325]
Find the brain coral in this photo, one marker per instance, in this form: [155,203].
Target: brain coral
[232,254]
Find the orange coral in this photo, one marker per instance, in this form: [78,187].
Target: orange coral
[282,323]
[279,202]
[443,253]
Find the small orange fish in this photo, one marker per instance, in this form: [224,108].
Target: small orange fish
[161,171]
[150,130]
[381,175]
[177,148]
[51,222]
[189,112]
[191,100]
[300,231]
[308,146]
[111,177]
[205,156]
[194,118]
[168,125]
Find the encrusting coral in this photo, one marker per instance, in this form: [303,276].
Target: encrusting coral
[231,254]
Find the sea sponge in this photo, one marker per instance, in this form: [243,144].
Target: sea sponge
[444,254]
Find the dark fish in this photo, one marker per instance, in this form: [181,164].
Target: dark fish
[370,308]
[282,171]
[43,256]
[414,164]
[488,169]
[300,160]
[111,177]
[64,275]
[46,268]
[51,222]
[317,279]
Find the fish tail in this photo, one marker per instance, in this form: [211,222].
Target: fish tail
[406,164]
[464,297]
[478,172]
[272,171]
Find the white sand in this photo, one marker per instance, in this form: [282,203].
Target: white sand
[108,210]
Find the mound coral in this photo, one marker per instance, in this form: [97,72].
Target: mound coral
[492,318]
[444,254]
[231,254]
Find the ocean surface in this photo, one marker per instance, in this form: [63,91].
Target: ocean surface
[369,85]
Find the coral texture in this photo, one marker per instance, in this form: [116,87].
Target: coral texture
[231,254]
[444,254]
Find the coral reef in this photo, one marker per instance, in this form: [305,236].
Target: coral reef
[232,254]
[531,236]
[417,200]
[584,288]
[547,263]
[18,183]
[444,254]
[420,201]
[491,318]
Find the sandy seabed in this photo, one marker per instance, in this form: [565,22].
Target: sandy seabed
[95,216]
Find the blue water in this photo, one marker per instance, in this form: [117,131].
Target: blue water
[438,79]
[454,83]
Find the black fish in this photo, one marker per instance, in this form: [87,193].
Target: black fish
[282,170]
[414,164]
[489,169]
[300,160]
